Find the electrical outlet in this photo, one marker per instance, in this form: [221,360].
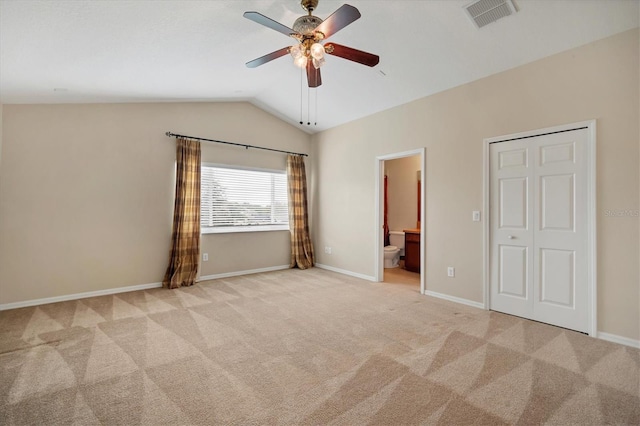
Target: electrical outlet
[476,216]
[205,257]
[451,271]
[327,250]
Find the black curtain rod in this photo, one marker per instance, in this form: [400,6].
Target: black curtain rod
[236,144]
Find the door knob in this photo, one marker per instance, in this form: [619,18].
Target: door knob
[511,237]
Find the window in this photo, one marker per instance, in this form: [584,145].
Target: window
[239,200]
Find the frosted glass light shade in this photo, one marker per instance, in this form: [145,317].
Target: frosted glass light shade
[317,63]
[317,51]
[306,24]
[301,61]
[296,51]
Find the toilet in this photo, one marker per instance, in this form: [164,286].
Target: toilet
[393,251]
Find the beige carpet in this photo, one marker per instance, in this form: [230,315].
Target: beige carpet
[303,347]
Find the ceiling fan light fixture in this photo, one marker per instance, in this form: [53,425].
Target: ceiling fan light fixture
[301,61]
[317,51]
[296,51]
[306,24]
[317,63]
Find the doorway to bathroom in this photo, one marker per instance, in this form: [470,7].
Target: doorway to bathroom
[403,231]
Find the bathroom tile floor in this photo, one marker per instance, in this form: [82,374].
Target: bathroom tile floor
[400,275]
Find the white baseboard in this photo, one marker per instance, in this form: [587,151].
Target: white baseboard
[76,296]
[345,272]
[618,339]
[455,299]
[238,273]
[600,335]
[65,298]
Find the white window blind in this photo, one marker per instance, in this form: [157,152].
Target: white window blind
[234,199]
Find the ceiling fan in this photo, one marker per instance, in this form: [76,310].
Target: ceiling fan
[311,32]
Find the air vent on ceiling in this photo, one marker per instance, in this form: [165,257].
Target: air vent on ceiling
[484,12]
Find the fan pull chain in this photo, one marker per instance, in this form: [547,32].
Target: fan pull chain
[310,114]
[308,106]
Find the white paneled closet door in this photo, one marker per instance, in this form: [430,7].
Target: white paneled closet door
[538,228]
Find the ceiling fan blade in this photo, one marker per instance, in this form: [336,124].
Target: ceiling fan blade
[351,54]
[313,75]
[270,23]
[266,58]
[342,17]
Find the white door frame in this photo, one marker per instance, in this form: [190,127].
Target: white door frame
[379,208]
[591,212]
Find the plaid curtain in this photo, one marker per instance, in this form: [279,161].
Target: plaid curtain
[185,240]
[301,247]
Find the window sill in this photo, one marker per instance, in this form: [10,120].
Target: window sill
[238,229]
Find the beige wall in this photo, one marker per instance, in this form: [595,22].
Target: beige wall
[0,136]
[597,81]
[86,193]
[402,180]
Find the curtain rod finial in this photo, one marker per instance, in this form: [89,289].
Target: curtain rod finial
[168,133]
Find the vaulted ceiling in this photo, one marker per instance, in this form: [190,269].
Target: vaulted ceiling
[88,51]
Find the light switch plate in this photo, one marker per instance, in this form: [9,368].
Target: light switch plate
[476,216]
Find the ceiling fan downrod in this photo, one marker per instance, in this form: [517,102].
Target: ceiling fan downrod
[309,5]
